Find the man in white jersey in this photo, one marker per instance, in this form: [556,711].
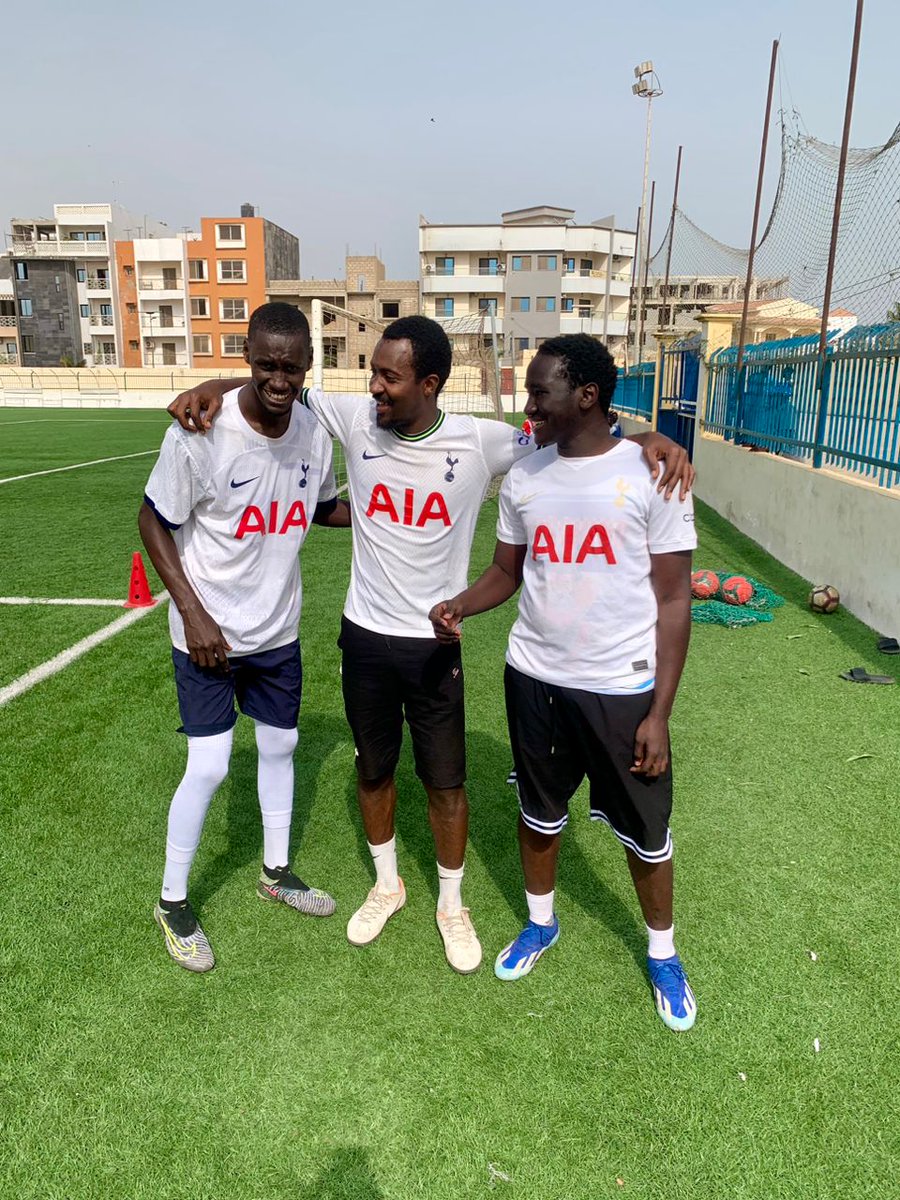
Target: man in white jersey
[223,520]
[417,477]
[596,652]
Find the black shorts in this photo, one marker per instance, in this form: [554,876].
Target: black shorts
[560,735]
[267,687]
[385,678]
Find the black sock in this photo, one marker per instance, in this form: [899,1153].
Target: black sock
[170,905]
[276,872]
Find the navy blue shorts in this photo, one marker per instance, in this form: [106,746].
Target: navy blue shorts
[267,687]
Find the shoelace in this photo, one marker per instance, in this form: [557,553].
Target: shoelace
[376,903]
[457,930]
[669,974]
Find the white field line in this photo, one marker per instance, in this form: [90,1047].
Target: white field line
[83,421]
[47,600]
[74,467]
[60,661]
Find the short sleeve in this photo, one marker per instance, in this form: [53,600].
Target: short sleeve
[502,444]
[335,411]
[671,524]
[510,528]
[328,486]
[176,485]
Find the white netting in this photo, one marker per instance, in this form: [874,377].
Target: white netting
[792,254]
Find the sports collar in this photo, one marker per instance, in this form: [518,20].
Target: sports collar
[418,437]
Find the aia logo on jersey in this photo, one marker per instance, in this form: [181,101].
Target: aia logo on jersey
[410,510]
[595,541]
[253,521]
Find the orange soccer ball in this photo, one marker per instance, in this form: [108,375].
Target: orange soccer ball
[737,590]
[704,584]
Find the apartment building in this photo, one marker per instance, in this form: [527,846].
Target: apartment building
[538,273]
[186,301]
[364,290]
[9,326]
[64,284]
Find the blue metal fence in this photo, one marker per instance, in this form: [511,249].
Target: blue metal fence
[850,418]
[634,391]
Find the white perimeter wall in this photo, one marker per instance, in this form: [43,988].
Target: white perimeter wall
[823,525]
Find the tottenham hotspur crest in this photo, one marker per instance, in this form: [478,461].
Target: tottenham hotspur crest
[304,467]
[451,463]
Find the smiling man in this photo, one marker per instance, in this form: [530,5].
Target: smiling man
[223,520]
[596,653]
[417,476]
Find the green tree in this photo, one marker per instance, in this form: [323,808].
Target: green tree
[893,313]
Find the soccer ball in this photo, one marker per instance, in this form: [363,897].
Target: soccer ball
[704,584]
[823,598]
[737,590]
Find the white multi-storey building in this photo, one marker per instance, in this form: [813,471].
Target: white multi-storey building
[63,272]
[538,273]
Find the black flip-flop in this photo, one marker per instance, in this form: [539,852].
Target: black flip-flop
[861,675]
[888,645]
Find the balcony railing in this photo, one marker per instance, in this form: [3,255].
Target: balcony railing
[97,283]
[8,322]
[57,248]
[153,324]
[104,360]
[102,319]
[160,285]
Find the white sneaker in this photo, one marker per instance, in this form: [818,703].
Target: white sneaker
[460,941]
[369,920]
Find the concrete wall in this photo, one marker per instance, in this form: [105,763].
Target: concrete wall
[56,323]
[822,524]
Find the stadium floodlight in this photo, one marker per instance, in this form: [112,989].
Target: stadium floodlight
[647,87]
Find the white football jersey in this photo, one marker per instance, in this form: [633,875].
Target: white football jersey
[587,611]
[239,505]
[415,502]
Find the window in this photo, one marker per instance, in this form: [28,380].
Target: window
[586,266]
[197,269]
[232,270]
[76,237]
[487,304]
[546,262]
[85,310]
[443,306]
[361,327]
[361,361]
[96,236]
[521,343]
[487,266]
[134,345]
[230,235]
[390,309]
[199,306]
[25,308]
[87,347]
[521,303]
[569,265]
[233,310]
[129,272]
[444,266]
[546,304]
[202,343]
[81,274]
[521,262]
[232,344]
[360,283]
[130,307]
[27,343]
[21,270]
[568,304]
[60,323]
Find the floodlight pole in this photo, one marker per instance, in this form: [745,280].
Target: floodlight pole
[647,88]
[665,295]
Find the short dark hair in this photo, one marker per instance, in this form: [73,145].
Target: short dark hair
[583,360]
[278,317]
[431,350]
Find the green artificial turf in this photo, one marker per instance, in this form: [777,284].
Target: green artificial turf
[304,1069]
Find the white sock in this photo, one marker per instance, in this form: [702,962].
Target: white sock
[450,893]
[275,784]
[540,908]
[207,766]
[662,942]
[385,860]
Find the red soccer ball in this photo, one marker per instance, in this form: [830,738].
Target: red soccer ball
[737,590]
[704,584]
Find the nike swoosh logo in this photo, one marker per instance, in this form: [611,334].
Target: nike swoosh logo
[243,481]
[367,455]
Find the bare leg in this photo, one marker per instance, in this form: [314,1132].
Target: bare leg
[377,803]
[653,883]
[539,853]
[448,813]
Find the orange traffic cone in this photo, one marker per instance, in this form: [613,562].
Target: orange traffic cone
[138,589]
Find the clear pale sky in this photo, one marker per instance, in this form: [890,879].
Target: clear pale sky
[321,113]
